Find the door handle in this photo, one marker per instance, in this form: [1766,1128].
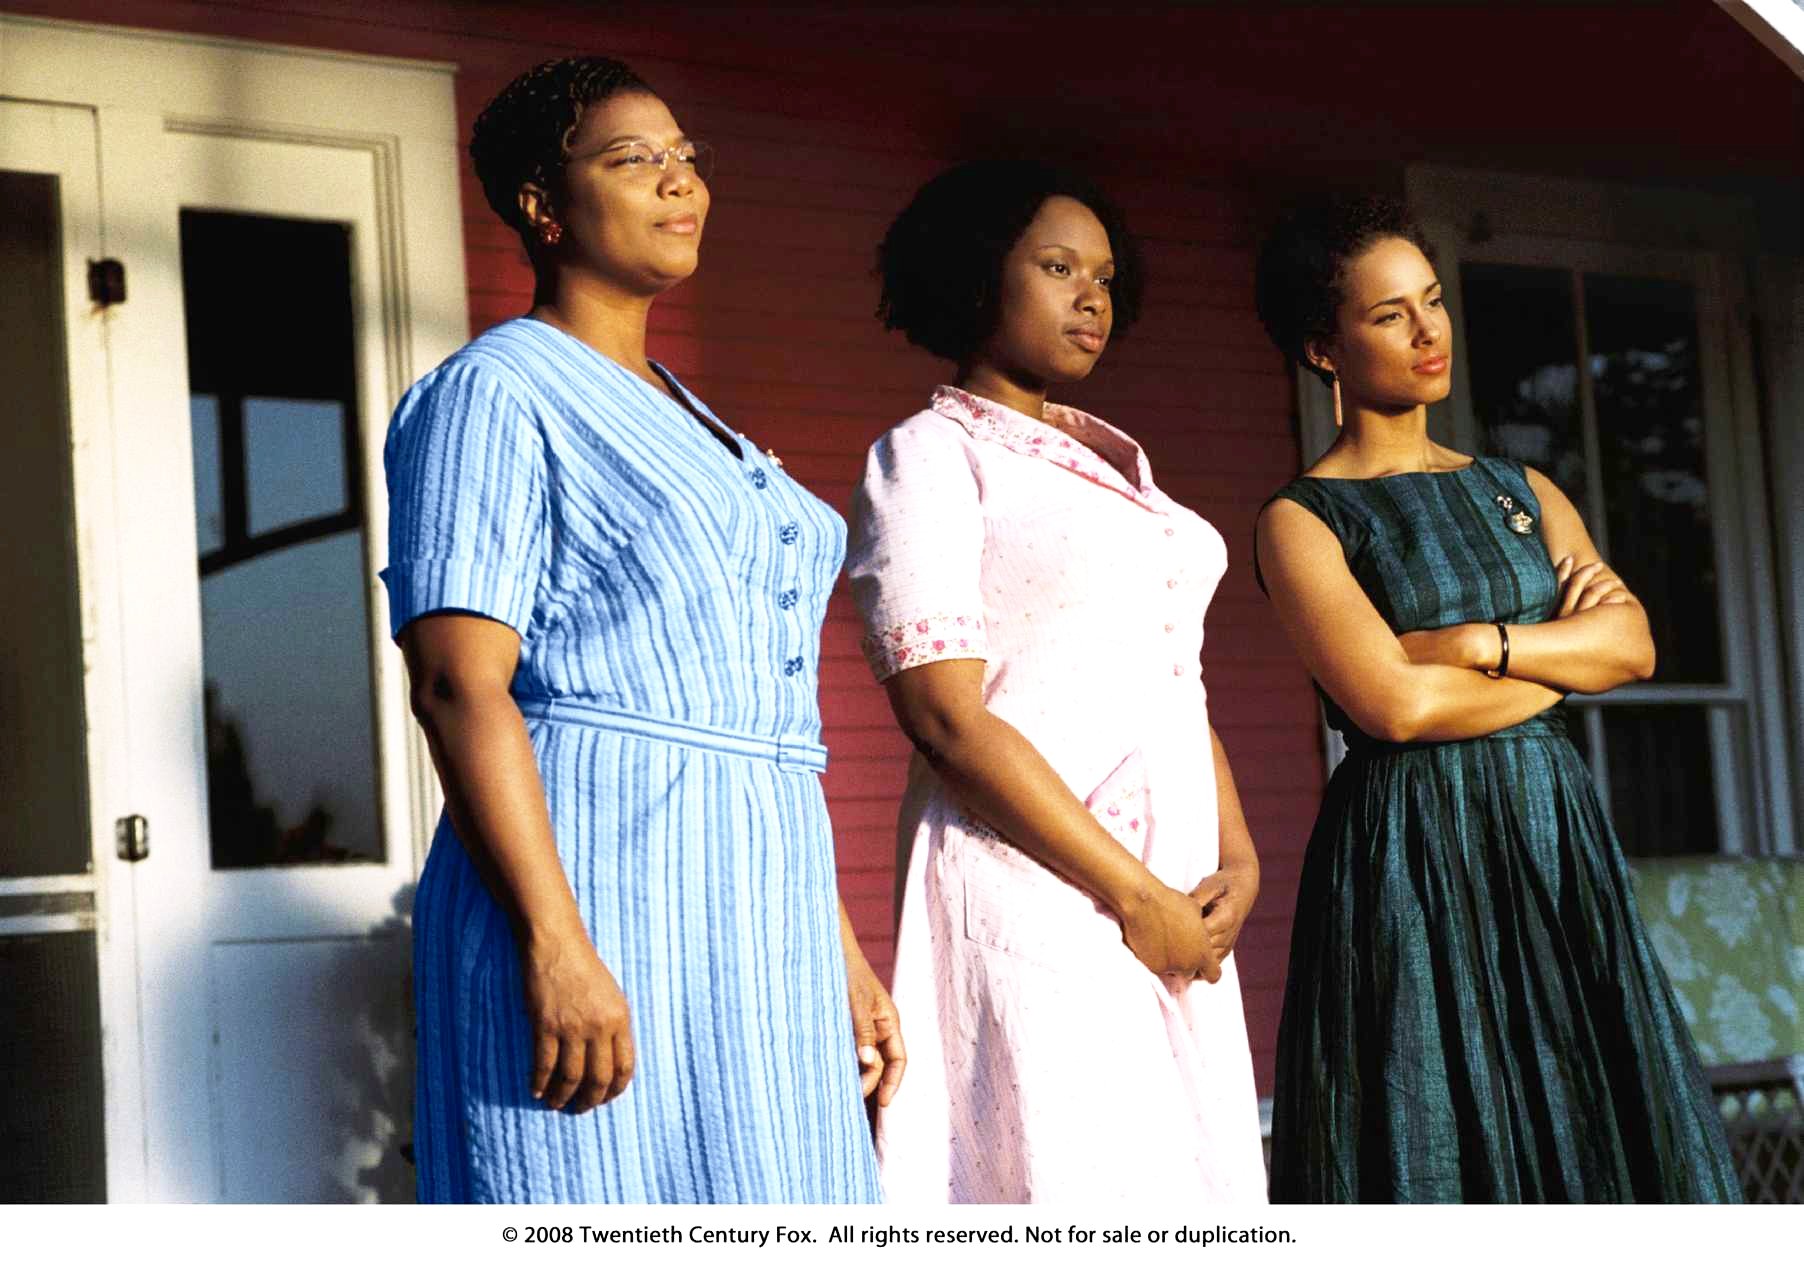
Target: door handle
[131,836]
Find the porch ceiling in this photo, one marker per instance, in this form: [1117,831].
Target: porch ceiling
[1649,90]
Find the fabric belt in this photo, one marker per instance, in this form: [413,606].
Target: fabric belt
[787,751]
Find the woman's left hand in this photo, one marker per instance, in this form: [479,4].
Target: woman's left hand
[1226,896]
[876,1026]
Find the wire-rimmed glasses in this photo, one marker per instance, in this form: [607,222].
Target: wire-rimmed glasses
[642,162]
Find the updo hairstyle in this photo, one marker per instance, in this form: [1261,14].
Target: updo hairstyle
[1300,279]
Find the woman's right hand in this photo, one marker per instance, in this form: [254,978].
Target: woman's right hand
[581,1026]
[1165,931]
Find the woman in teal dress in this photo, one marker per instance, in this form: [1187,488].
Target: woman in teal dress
[1473,1012]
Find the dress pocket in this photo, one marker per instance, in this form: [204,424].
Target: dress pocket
[1122,803]
[1015,904]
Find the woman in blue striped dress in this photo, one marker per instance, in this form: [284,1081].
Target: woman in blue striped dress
[610,605]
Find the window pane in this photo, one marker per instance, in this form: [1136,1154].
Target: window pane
[1650,428]
[290,755]
[209,495]
[1522,363]
[43,731]
[291,759]
[294,452]
[1662,783]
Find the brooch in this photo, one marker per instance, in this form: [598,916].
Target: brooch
[1519,521]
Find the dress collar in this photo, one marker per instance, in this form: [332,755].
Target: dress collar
[1055,440]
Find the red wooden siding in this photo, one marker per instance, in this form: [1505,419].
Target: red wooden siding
[777,332]
[828,116]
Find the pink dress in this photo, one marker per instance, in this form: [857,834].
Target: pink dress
[1045,1062]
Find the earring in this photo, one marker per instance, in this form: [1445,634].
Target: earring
[550,233]
[1336,381]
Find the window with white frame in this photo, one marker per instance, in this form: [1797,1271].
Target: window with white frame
[1607,369]
[1621,372]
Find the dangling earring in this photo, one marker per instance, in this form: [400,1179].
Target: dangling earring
[1336,381]
[550,233]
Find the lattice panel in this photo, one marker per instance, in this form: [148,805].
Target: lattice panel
[1764,1121]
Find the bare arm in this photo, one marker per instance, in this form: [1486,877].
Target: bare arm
[997,773]
[460,667]
[1600,638]
[1359,660]
[1228,893]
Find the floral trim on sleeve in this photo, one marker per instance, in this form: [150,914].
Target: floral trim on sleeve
[912,644]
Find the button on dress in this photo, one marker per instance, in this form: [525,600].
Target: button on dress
[668,596]
[1045,1062]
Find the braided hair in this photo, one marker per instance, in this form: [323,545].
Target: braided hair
[524,134]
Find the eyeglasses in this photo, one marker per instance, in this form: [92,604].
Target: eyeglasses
[642,162]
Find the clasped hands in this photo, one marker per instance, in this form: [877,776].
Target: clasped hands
[1190,935]
[1476,646]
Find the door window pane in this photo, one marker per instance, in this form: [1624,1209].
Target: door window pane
[289,748]
[291,757]
[1650,437]
[294,460]
[209,494]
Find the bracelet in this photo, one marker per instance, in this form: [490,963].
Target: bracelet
[1503,662]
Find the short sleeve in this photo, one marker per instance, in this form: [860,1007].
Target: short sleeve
[915,556]
[467,505]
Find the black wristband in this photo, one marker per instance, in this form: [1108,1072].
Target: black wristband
[1503,662]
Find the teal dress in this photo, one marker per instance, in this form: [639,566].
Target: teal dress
[1473,1012]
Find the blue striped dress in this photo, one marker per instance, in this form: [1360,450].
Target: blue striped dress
[669,599]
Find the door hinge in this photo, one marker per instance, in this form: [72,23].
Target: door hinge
[132,837]
[106,281]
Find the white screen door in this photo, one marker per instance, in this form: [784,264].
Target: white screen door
[68,1102]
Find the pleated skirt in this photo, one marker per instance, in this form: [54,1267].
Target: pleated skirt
[707,883]
[1473,1012]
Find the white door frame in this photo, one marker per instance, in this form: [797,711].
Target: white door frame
[140,86]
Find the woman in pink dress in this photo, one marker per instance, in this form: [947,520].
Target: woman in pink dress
[1078,865]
